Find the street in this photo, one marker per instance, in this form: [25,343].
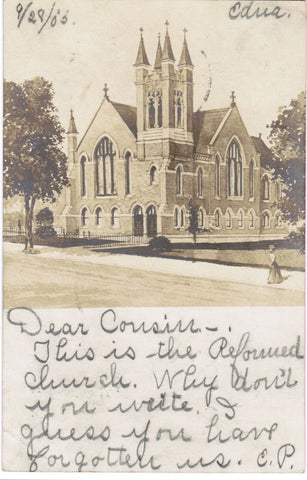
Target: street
[65,281]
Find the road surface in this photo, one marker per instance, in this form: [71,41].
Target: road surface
[38,281]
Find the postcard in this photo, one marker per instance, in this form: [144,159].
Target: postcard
[153,236]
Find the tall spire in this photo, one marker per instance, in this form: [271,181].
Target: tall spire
[185,58]
[167,53]
[141,58]
[158,54]
[72,126]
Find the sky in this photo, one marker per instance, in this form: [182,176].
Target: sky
[262,60]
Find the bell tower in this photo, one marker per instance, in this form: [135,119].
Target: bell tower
[164,97]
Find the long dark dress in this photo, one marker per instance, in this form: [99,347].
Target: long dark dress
[274,273]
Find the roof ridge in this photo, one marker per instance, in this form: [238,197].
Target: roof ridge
[123,104]
[212,110]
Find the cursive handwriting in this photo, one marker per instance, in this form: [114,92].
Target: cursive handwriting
[40,17]
[241,10]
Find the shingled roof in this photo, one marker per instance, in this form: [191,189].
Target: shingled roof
[205,125]
[128,114]
[260,146]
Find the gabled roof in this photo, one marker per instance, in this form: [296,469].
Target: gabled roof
[205,125]
[260,146]
[128,114]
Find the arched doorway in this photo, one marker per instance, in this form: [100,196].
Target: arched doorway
[151,216]
[138,226]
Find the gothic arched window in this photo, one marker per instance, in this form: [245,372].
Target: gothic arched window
[200,182]
[217,176]
[127,172]
[251,219]
[217,218]
[159,101]
[104,156]
[84,217]
[265,220]
[151,112]
[240,219]
[265,188]
[178,109]
[182,217]
[153,175]
[178,181]
[82,178]
[251,179]
[176,217]
[98,216]
[154,109]
[115,217]
[234,170]
[228,219]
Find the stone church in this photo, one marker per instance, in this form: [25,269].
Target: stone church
[136,168]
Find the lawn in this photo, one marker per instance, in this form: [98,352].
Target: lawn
[244,254]
[286,258]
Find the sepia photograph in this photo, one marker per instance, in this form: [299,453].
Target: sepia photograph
[153,154]
[154,235]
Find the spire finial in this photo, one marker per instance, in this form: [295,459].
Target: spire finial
[233,99]
[72,126]
[159,35]
[167,24]
[184,32]
[141,30]
[105,89]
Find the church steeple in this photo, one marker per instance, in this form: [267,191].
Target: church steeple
[72,126]
[72,139]
[158,55]
[141,58]
[185,58]
[167,53]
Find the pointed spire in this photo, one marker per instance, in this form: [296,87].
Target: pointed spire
[167,47]
[185,58]
[141,58]
[72,126]
[158,54]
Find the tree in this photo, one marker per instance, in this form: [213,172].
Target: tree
[44,221]
[33,164]
[193,214]
[287,138]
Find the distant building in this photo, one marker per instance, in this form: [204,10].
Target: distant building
[135,168]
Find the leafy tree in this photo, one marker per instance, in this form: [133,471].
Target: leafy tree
[44,217]
[44,221]
[33,164]
[287,138]
[193,214]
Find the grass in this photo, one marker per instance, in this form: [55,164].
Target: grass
[254,254]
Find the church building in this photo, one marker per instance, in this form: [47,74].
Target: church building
[136,168]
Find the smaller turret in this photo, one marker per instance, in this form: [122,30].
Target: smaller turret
[72,139]
[157,65]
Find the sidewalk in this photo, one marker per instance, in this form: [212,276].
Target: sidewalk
[234,274]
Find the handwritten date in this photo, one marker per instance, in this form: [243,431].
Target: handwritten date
[40,16]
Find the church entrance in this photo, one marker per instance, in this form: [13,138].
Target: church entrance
[138,227]
[151,216]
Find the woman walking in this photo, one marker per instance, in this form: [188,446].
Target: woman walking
[274,273]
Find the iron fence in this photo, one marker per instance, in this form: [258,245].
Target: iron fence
[86,239]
